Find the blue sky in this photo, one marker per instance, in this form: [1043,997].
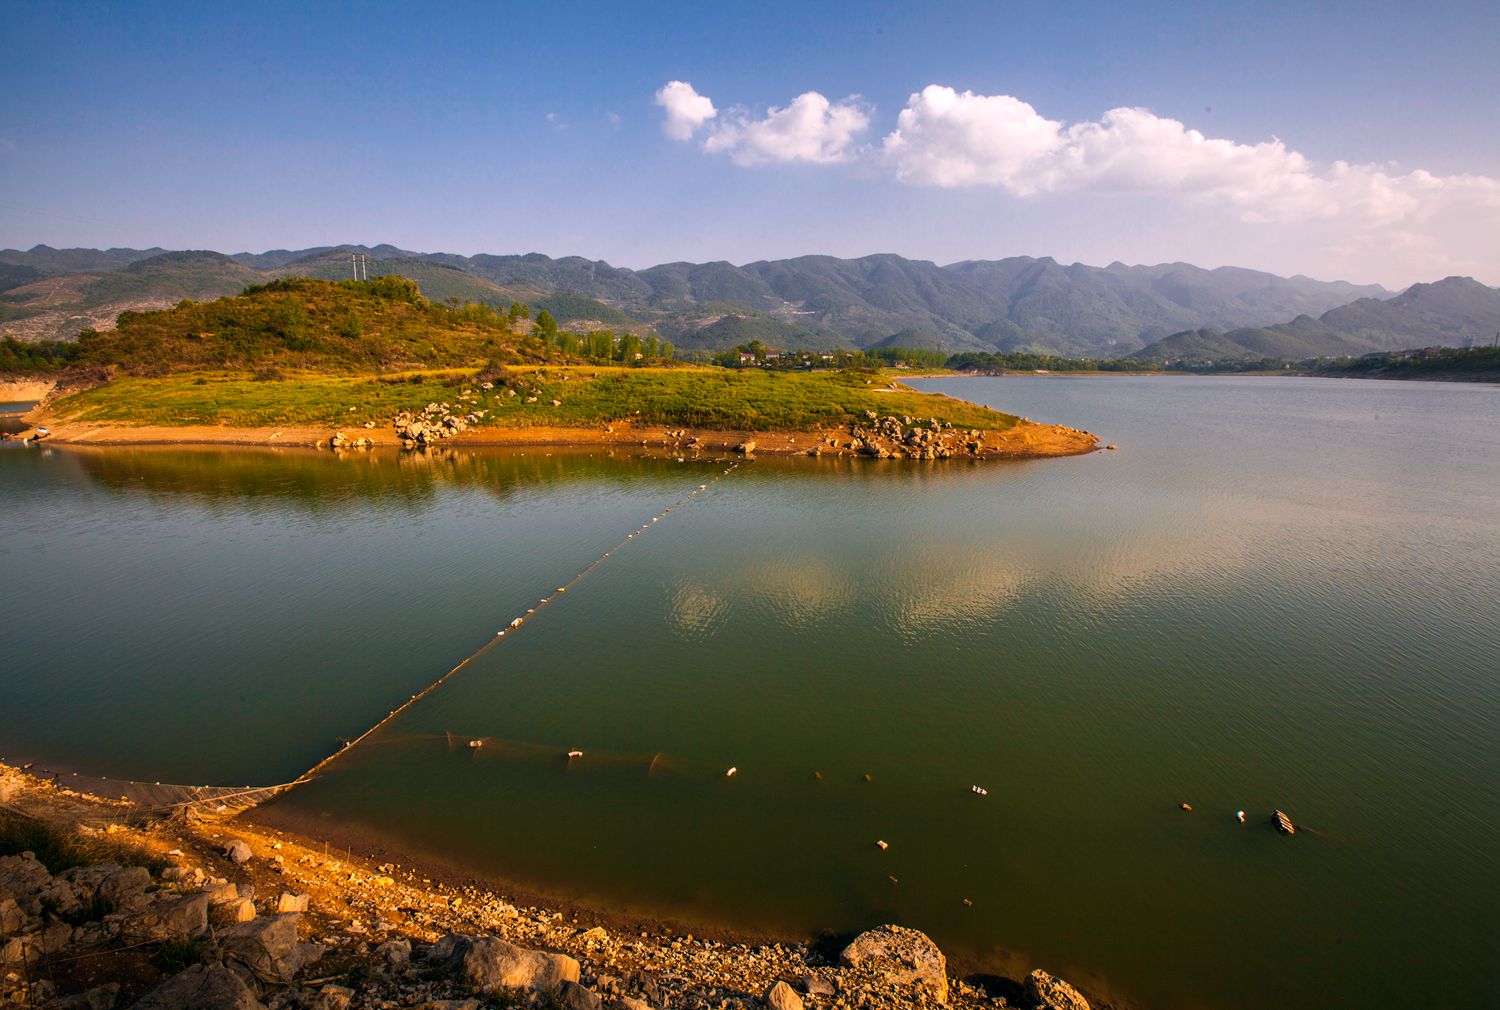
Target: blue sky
[537,127]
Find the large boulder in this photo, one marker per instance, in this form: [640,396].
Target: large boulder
[266,949]
[900,956]
[1050,993]
[201,987]
[168,918]
[492,965]
[72,891]
[23,878]
[124,890]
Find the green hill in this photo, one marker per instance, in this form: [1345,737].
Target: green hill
[176,275]
[569,307]
[58,307]
[303,323]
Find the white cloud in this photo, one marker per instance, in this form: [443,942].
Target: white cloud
[943,138]
[686,109]
[953,139]
[811,129]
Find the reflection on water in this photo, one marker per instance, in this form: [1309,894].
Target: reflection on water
[1278,593]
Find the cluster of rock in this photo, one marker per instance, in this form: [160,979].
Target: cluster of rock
[338,440]
[433,423]
[89,911]
[905,438]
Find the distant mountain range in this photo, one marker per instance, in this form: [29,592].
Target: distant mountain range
[1021,303]
[1454,312]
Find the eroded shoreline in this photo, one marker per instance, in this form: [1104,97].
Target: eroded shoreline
[360,924]
[1027,440]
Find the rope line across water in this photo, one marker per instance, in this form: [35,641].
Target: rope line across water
[163,796]
[514,625]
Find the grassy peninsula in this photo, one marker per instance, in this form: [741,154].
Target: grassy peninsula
[302,359]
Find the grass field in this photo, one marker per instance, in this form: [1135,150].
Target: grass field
[708,398]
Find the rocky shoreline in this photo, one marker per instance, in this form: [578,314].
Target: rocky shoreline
[209,914]
[878,437]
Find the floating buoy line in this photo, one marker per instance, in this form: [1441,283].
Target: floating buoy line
[515,625]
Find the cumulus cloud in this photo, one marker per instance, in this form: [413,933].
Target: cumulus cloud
[951,139]
[811,128]
[686,110]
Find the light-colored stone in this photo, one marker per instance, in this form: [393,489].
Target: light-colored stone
[395,952]
[1050,993]
[125,890]
[220,891]
[781,996]
[266,949]
[292,903]
[238,852]
[901,956]
[235,910]
[168,918]
[491,964]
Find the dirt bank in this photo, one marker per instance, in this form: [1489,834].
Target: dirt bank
[1025,441]
[25,390]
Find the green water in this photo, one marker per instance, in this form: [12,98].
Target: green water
[1278,593]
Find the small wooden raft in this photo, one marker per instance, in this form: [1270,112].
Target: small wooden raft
[1283,823]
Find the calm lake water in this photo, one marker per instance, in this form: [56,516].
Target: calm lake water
[1277,593]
